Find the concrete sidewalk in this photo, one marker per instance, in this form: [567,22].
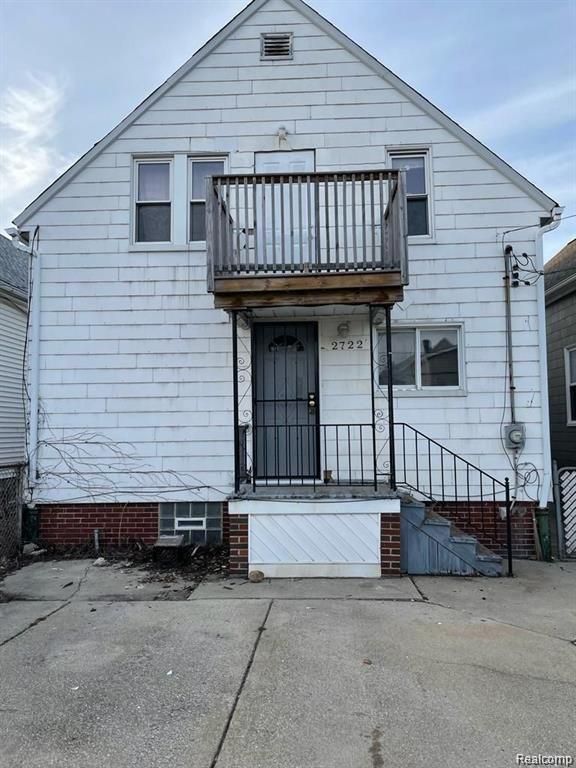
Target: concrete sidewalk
[288,674]
[541,596]
[312,589]
[356,684]
[82,580]
[124,684]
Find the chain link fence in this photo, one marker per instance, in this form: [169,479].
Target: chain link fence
[11,487]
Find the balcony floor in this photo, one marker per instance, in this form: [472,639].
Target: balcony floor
[346,288]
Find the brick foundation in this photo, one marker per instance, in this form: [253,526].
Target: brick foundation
[484,520]
[225,524]
[74,524]
[390,545]
[235,533]
[238,542]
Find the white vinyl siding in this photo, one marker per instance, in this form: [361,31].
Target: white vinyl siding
[12,335]
[132,347]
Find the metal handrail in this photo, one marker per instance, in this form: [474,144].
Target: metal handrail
[412,478]
[315,455]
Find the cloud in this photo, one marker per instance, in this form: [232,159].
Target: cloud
[554,172]
[29,159]
[543,107]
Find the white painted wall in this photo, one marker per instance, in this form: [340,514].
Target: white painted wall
[12,420]
[135,362]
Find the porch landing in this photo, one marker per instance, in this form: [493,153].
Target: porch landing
[316,492]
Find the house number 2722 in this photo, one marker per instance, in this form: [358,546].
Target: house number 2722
[348,344]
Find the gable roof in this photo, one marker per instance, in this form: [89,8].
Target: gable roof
[13,269]
[314,17]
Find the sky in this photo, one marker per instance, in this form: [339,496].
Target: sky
[70,70]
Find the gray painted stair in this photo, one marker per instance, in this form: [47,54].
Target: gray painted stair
[433,546]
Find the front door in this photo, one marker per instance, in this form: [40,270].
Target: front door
[285,381]
[285,209]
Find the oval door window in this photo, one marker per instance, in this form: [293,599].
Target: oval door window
[287,342]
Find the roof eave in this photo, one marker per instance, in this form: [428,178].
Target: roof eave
[12,293]
[559,291]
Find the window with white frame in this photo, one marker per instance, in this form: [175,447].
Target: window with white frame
[153,201]
[415,164]
[199,170]
[423,358]
[570,364]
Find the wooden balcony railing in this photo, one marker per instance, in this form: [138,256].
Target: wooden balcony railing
[305,224]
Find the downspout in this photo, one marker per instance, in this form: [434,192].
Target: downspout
[552,223]
[34,365]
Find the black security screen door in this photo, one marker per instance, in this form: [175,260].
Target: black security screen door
[285,380]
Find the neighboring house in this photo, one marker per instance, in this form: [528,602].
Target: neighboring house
[560,283]
[13,319]
[214,281]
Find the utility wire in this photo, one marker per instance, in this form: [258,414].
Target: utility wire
[538,226]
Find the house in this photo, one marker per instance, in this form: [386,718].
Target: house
[560,294]
[275,305]
[13,321]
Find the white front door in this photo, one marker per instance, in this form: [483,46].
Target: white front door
[285,210]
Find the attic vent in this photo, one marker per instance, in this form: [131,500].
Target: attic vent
[274,45]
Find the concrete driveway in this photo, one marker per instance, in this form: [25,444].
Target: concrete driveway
[288,674]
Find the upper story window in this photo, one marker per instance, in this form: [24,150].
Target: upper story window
[570,364]
[417,190]
[423,358]
[199,170]
[153,200]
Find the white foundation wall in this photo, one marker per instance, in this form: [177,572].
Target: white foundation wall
[135,363]
[326,538]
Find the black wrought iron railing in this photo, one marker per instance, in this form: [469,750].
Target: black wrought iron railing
[474,499]
[308,455]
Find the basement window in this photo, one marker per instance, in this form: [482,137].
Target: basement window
[153,201]
[275,46]
[423,358]
[199,521]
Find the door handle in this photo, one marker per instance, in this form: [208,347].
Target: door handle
[311,400]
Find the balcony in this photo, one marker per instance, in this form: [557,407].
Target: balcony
[306,239]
